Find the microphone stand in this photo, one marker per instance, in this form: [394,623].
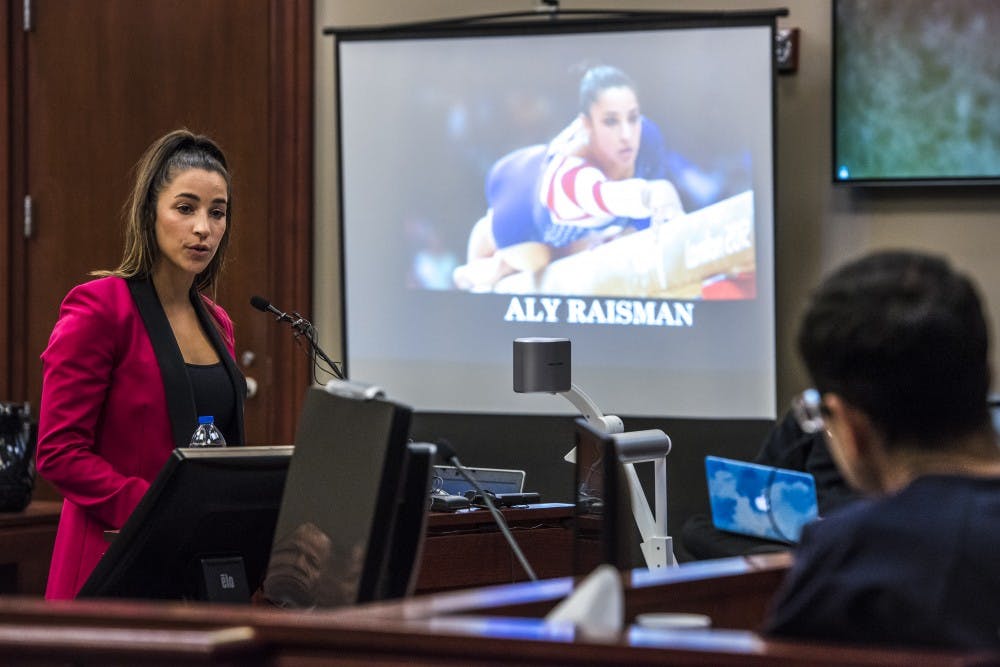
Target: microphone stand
[305,328]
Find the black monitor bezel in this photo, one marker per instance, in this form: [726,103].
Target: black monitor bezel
[616,534]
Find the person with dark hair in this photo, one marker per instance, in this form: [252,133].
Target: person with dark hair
[602,175]
[139,353]
[896,345]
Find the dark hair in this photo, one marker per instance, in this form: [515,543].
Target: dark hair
[169,155]
[598,79]
[901,336]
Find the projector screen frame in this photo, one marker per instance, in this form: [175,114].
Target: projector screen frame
[562,23]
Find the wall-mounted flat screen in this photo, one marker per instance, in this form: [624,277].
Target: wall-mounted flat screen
[915,97]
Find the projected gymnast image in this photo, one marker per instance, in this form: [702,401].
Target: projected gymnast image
[563,217]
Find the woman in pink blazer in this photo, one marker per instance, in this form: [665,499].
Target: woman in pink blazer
[139,353]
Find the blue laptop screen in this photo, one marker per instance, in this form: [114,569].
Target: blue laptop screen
[758,500]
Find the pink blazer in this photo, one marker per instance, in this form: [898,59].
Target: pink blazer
[115,402]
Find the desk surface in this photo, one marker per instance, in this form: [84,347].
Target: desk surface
[481,517]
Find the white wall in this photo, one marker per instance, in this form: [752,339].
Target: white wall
[818,225]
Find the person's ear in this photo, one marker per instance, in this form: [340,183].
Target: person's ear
[854,425]
[854,442]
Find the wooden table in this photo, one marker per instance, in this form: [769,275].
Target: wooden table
[465,549]
[26,540]
[462,549]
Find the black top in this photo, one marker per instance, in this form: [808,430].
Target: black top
[919,567]
[213,395]
[176,380]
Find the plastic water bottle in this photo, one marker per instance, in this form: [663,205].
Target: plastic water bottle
[207,434]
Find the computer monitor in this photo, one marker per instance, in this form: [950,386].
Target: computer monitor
[203,530]
[400,567]
[342,510]
[604,529]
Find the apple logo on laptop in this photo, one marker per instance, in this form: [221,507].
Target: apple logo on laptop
[760,502]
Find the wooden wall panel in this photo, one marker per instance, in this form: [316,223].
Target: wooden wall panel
[5,203]
[98,82]
[85,92]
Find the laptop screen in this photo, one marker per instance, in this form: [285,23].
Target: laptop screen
[448,479]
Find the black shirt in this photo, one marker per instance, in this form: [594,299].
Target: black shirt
[213,395]
[919,567]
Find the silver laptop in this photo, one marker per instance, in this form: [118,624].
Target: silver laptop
[449,480]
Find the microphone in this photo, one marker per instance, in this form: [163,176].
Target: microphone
[263,305]
[448,454]
[303,327]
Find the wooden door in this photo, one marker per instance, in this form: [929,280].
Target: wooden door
[95,82]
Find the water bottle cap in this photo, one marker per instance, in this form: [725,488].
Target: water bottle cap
[209,419]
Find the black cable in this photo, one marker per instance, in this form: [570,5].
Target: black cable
[305,329]
[451,457]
